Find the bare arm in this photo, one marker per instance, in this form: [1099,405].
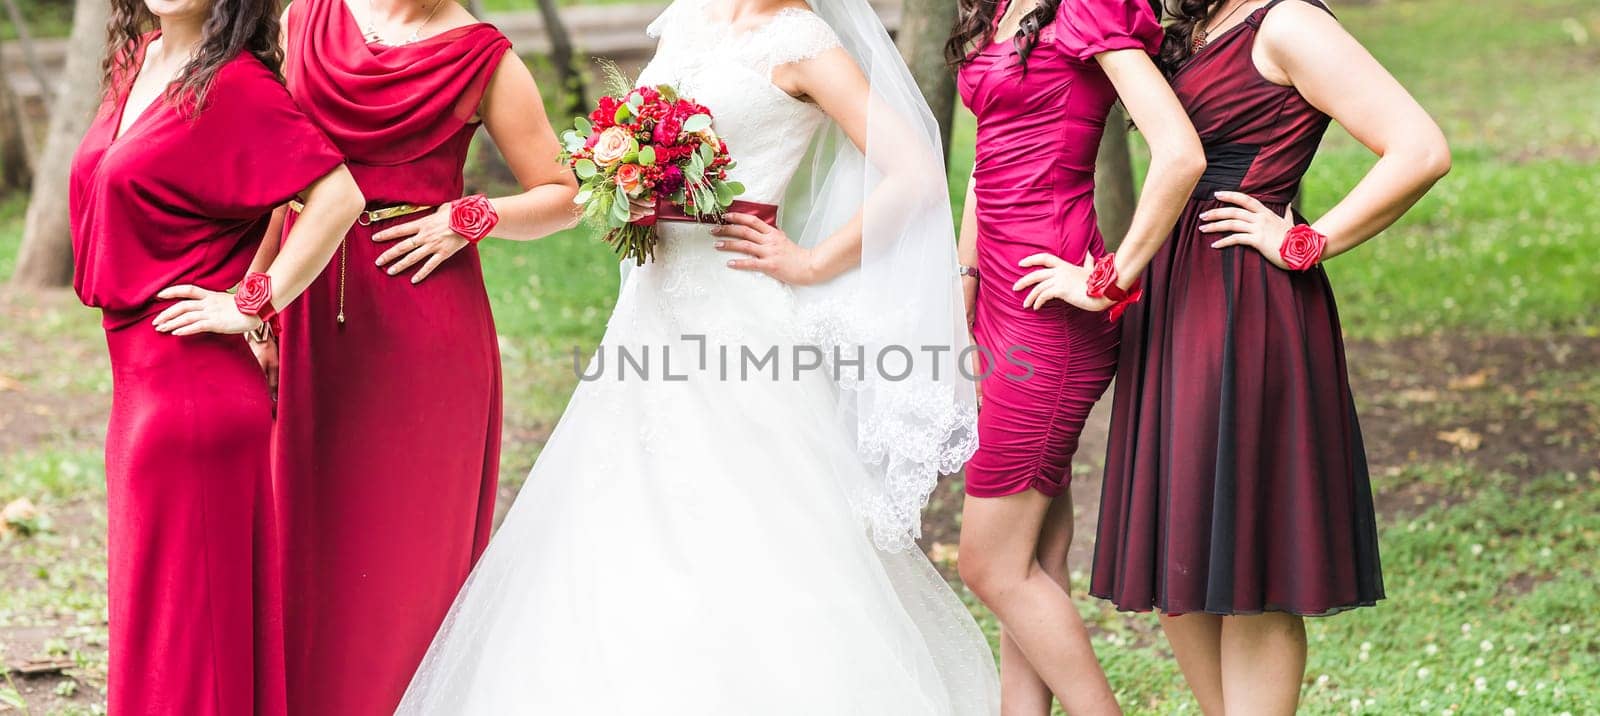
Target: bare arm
[514,114]
[835,83]
[967,247]
[1304,47]
[332,203]
[1176,162]
[1176,157]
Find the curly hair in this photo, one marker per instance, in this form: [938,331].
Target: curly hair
[1178,44]
[975,26]
[233,26]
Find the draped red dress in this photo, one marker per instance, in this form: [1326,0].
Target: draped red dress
[1033,175]
[388,434]
[195,604]
[1236,481]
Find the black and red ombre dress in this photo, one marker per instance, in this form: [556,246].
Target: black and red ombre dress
[1236,481]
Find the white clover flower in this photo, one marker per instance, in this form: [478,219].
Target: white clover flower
[1510,712]
[1477,550]
[1430,649]
[1424,672]
[1466,628]
[1480,684]
[1565,629]
[1511,685]
[1486,645]
[1322,680]
[1478,661]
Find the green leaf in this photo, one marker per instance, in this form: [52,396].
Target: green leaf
[736,187]
[696,122]
[619,205]
[583,196]
[668,92]
[583,126]
[586,169]
[647,156]
[707,154]
[623,113]
[724,193]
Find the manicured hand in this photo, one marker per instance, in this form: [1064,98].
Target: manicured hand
[770,250]
[428,241]
[1059,279]
[640,208]
[202,311]
[1251,224]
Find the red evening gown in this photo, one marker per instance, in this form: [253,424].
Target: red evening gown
[194,601]
[388,437]
[1236,481]
[1038,133]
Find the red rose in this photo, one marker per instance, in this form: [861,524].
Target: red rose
[254,297]
[1104,276]
[1302,247]
[473,217]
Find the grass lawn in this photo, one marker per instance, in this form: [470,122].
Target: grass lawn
[1474,328]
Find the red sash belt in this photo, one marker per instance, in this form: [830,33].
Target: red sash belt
[668,211]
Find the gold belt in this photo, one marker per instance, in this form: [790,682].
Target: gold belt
[366,218]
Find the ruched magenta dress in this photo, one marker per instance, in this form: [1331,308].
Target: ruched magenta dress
[1038,133]
[195,606]
[388,440]
[1236,481]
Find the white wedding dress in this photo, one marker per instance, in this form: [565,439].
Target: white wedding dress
[688,546]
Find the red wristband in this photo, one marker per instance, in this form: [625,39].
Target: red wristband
[1103,284]
[473,217]
[254,297]
[1302,247]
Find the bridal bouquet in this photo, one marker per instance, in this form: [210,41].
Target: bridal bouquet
[647,144]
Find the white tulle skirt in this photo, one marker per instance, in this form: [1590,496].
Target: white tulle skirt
[687,546]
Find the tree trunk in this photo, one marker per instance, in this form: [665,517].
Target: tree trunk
[29,55]
[45,258]
[1114,196]
[563,57]
[16,150]
[924,27]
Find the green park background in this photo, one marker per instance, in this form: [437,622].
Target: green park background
[1474,337]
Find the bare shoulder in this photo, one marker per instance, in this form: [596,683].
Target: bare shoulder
[1296,33]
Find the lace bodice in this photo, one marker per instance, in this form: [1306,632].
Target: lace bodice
[730,72]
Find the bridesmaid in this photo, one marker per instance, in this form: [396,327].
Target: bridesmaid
[1236,496]
[196,143]
[388,440]
[1041,93]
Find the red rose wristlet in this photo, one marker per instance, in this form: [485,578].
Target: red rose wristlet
[473,217]
[1302,247]
[254,297]
[1103,284]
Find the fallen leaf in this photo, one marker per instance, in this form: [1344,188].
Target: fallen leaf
[20,516]
[1419,395]
[1463,438]
[47,665]
[1471,381]
[942,553]
[8,383]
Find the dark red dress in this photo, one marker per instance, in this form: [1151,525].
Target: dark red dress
[194,592]
[388,440]
[1236,481]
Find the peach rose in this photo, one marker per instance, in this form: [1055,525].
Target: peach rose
[612,145]
[631,178]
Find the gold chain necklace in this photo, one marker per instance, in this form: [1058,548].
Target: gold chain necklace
[1202,35]
[370,32]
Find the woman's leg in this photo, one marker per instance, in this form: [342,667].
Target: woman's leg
[1196,641]
[1022,692]
[1263,663]
[1000,539]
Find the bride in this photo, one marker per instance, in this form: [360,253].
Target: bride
[723,521]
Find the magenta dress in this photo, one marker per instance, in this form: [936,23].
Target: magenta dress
[1236,481]
[1038,134]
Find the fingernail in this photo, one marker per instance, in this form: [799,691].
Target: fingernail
[718,244]
[1216,195]
[391,272]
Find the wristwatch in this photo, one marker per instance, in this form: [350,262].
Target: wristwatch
[967,271]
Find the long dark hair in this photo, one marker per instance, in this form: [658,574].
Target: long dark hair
[975,27]
[1178,45]
[233,26]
